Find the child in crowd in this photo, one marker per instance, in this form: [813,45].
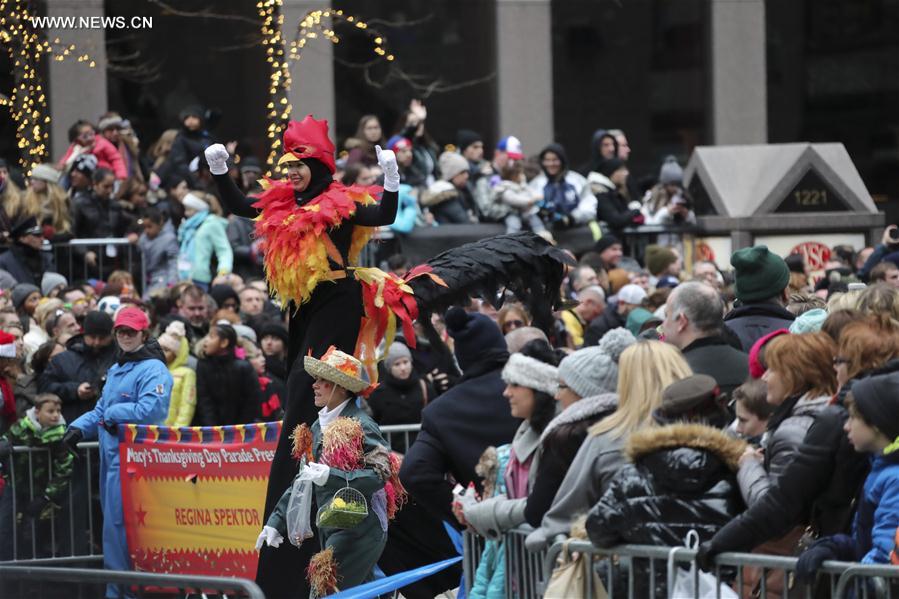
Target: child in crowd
[872,427]
[183,402]
[49,472]
[520,203]
[227,387]
[401,394]
[752,410]
[272,388]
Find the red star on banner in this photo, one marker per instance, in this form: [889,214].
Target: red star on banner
[141,516]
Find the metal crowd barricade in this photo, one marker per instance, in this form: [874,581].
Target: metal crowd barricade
[71,535]
[34,580]
[862,581]
[472,548]
[638,571]
[74,267]
[525,574]
[406,432]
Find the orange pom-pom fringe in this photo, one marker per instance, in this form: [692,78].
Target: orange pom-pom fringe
[322,573]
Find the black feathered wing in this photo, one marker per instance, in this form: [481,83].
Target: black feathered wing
[523,263]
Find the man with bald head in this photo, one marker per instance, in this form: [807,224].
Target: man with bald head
[694,322]
[591,303]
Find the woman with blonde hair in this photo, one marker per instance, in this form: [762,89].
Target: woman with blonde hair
[45,200]
[644,370]
[511,317]
[879,299]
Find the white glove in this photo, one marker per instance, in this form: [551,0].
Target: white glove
[387,162]
[269,535]
[317,473]
[217,157]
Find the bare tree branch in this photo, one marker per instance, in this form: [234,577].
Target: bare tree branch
[204,14]
[403,23]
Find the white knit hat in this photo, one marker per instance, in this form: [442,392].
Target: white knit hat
[171,339]
[194,203]
[533,374]
[45,172]
[594,370]
[451,164]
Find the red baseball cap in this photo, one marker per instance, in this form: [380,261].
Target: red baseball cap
[132,317]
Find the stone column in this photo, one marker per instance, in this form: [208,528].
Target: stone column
[312,77]
[738,72]
[524,72]
[76,91]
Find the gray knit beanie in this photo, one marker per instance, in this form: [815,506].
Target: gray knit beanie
[397,350]
[21,292]
[594,370]
[50,281]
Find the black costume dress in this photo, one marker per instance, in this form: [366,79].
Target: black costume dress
[332,316]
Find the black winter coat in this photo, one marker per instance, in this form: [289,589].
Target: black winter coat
[399,402]
[187,146]
[25,264]
[94,217]
[751,322]
[561,441]
[611,208]
[228,392]
[714,357]
[681,478]
[78,364]
[602,324]
[456,428]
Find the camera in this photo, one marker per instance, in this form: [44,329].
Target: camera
[894,233]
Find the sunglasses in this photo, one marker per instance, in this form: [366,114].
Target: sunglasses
[513,324]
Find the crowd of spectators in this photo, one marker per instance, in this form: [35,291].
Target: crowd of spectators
[753,396]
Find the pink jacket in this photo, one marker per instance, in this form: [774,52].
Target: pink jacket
[108,156]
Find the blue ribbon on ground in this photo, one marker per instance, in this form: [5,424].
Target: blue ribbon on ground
[394,582]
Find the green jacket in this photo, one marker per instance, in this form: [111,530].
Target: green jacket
[357,549]
[50,472]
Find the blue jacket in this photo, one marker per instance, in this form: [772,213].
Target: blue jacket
[137,391]
[407,212]
[490,577]
[878,511]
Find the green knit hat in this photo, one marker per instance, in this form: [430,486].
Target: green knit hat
[760,274]
[658,258]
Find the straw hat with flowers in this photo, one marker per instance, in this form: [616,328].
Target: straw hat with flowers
[338,367]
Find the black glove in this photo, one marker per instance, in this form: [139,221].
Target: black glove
[70,440]
[705,557]
[36,506]
[811,559]
[5,447]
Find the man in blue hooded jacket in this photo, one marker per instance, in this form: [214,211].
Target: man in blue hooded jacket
[137,391]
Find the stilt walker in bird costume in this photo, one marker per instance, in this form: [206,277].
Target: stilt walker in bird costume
[312,230]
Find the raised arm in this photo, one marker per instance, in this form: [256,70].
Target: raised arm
[232,197]
[384,213]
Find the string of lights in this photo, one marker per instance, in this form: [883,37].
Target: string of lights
[315,24]
[27,101]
